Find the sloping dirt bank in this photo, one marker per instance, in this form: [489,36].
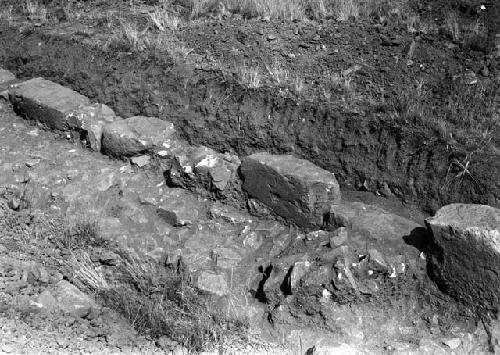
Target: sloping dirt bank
[362,146]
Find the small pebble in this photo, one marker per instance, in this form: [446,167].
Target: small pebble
[7,348]
[32,162]
[452,343]
[141,160]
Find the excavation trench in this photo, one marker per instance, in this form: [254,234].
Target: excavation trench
[366,149]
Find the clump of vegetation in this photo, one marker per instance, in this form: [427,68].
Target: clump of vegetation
[35,10]
[164,19]
[289,10]
[156,300]
[162,302]
[83,234]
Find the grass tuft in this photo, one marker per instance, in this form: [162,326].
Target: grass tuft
[161,302]
[80,236]
[157,301]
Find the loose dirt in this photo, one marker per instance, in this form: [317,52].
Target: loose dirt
[351,104]
[354,131]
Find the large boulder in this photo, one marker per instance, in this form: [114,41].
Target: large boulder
[293,188]
[45,101]
[466,257]
[136,135]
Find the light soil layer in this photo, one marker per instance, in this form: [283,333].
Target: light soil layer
[360,140]
[224,249]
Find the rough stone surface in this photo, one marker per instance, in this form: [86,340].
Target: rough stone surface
[6,76]
[135,135]
[72,300]
[179,208]
[67,298]
[466,257]
[229,214]
[141,160]
[212,282]
[90,120]
[47,102]
[199,168]
[293,188]
[374,225]
[339,237]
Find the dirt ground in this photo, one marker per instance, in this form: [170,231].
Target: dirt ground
[403,114]
[385,106]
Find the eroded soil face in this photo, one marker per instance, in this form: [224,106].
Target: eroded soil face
[407,114]
[254,259]
[384,108]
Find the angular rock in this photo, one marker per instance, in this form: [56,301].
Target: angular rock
[90,120]
[339,237]
[135,135]
[229,214]
[47,301]
[300,268]
[452,343]
[47,102]
[212,282]
[198,167]
[466,258]
[67,298]
[6,76]
[293,188]
[141,160]
[179,208]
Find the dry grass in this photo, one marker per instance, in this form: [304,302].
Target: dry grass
[157,300]
[289,10]
[83,234]
[35,10]
[161,302]
[468,33]
[132,35]
[6,13]
[249,76]
[346,9]
[163,19]
[467,120]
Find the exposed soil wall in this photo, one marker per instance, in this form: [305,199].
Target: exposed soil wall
[211,109]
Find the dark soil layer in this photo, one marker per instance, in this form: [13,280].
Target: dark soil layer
[363,144]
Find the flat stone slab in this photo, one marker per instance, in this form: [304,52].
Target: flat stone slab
[46,101]
[466,257]
[293,188]
[135,135]
[373,226]
[179,208]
